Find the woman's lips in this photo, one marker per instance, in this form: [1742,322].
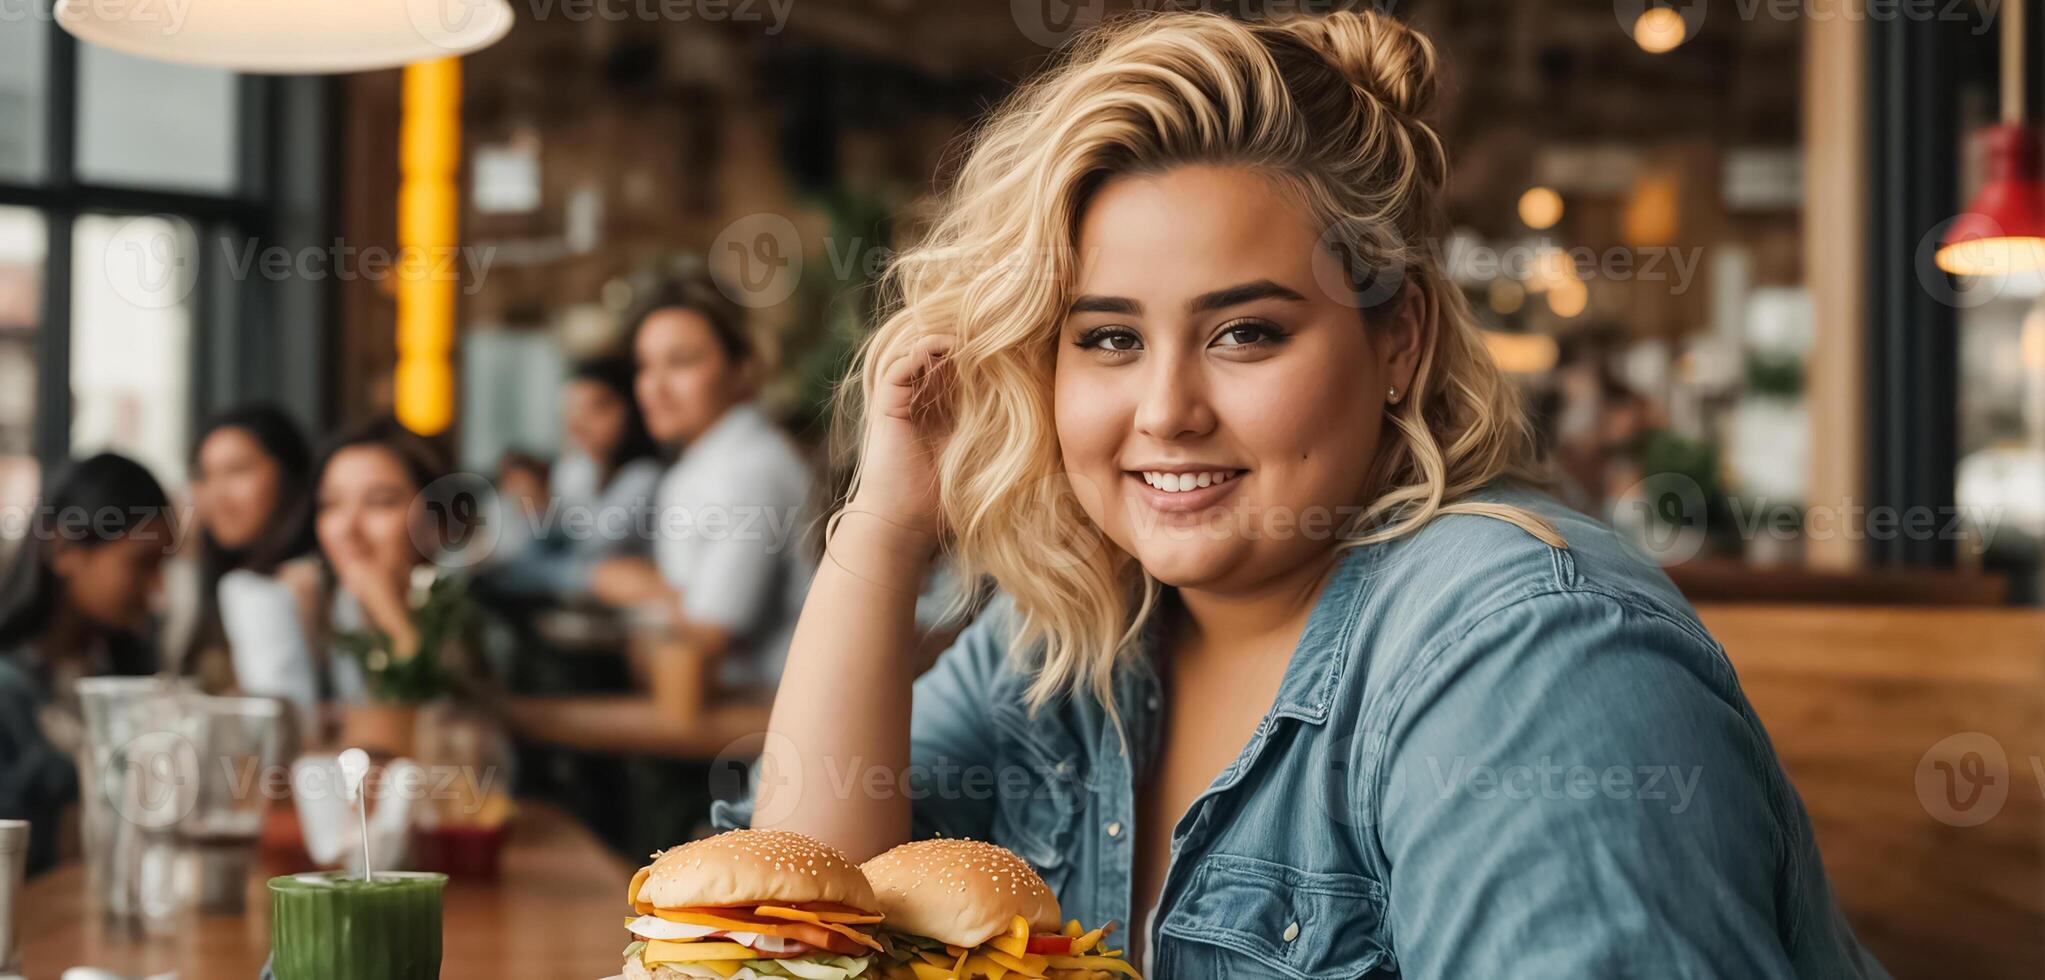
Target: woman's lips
[1184,501]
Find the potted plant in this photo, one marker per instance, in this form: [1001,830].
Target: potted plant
[398,685]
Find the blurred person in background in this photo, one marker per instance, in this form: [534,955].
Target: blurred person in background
[593,504]
[1291,652]
[612,467]
[75,603]
[252,495]
[728,561]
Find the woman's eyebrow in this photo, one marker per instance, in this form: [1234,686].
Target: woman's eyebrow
[1107,304]
[1219,299]
[1238,295]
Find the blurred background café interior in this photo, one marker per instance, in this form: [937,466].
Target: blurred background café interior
[1705,238]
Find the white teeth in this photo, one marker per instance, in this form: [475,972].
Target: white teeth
[1183,482]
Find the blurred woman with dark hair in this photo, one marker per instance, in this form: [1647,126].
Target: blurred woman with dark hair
[728,554]
[252,496]
[75,603]
[596,497]
[613,466]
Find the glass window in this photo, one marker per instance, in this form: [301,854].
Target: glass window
[131,339]
[22,244]
[145,123]
[22,42]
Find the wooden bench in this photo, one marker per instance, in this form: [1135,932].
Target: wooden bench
[1871,710]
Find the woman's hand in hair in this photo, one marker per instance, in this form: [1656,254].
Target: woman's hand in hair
[906,423]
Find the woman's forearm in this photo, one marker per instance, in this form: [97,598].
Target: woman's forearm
[839,742]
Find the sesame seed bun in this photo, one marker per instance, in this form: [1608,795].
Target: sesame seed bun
[961,892]
[747,867]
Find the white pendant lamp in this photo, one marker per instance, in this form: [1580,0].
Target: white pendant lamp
[291,37]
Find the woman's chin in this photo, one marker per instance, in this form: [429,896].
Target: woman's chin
[1191,564]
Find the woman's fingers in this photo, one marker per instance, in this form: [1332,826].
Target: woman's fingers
[902,386]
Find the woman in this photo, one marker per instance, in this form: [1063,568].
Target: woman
[74,604]
[252,495]
[612,470]
[1285,657]
[727,520]
[379,523]
[602,490]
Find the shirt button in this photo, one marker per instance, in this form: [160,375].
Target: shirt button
[1114,828]
[1153,703]
[1292,932]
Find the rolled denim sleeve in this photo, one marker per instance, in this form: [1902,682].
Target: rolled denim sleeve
[949,738]
[1575,788]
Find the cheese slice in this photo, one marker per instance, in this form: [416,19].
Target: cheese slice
[662,951]
[632,890]
[815,919]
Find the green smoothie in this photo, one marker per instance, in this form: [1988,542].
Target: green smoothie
[335,926]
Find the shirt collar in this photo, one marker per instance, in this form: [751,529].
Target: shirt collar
[1315,671]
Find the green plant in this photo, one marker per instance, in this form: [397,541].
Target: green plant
[442,619]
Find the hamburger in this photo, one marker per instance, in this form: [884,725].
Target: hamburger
[967,910]
[751,905]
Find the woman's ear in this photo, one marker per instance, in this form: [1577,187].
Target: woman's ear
[1405,338]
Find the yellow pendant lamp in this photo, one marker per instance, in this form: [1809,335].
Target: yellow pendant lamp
[290,37]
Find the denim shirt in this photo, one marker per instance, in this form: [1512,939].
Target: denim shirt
[1487,758]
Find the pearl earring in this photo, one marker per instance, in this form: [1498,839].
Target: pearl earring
[1392,394]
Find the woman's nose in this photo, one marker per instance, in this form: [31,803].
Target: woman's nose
[1173,403]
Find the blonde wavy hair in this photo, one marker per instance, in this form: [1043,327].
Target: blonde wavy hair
[1330,107]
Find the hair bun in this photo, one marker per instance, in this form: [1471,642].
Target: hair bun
[1392,63]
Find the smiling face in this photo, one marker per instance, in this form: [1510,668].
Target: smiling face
[368,512]
[1217,409]
[235,487]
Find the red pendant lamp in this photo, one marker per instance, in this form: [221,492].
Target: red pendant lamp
[2003,230]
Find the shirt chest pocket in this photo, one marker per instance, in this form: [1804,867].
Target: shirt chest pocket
[1040,793]
[1246,917]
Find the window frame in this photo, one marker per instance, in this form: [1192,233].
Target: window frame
[224,311]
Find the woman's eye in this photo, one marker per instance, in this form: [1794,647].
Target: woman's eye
[1116,340]
[1248,334]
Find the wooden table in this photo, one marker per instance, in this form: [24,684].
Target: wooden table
[555,915]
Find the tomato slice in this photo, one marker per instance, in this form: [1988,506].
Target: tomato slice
[1051,945]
